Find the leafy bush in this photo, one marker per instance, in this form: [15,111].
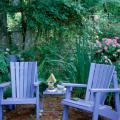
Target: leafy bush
[4,74]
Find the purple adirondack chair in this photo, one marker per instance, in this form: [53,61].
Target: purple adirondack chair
[25,86]
[101,77]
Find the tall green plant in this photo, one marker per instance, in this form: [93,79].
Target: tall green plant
[82,62]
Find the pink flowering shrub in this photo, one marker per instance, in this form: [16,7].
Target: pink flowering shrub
[107,50]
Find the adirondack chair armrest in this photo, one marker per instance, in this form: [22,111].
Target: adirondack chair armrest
[105,90]
[74,85]
[69,88]
[4,85]
[37,83]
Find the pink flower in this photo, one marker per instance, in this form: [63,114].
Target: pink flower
[99,43]
[98,51]
[115,41]
[104,39]
[118,50]
[117,44]
[106,61]
[114,45]
[116,37]
[106,48]
[114,55]
[108,41]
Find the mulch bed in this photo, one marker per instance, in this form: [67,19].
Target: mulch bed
[52,111]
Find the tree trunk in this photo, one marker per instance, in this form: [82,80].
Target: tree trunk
[3,30]
[24,28]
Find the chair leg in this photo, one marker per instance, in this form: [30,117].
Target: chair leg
[65,113]
[37,111]
[96,106]
[1,113]
[95,116]
[37,104]
[12,107]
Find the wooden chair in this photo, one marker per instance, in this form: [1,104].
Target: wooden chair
[101,78]
[25,86]
[13,58]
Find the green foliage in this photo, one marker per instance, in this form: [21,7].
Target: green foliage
[28,54]
[4,76]
[118,70]
[7,93]
[50,14]
[82,65]
[13,21]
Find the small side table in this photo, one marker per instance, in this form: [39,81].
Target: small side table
[47,92]
[55,100]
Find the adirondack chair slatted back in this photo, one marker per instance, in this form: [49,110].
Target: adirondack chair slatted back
[100,76]
[23,75]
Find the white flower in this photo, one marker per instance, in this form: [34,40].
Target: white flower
[118,50]
[105,57]
[7,49]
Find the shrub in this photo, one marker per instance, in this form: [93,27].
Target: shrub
[4,74]
[107,50]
